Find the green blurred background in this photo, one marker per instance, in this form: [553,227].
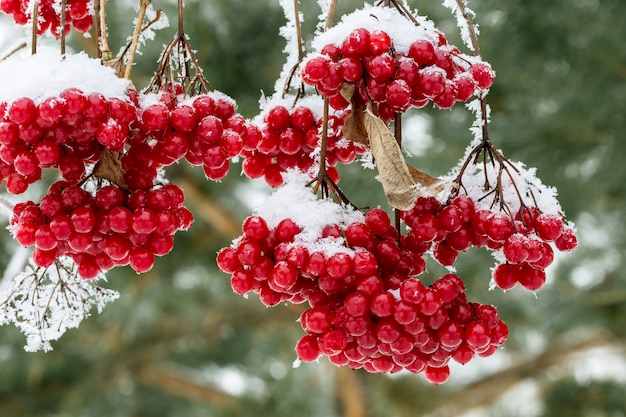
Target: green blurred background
[179,343]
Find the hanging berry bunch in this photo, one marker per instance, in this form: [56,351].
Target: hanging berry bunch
[359,271]
[395,63]
[289,137]
[367,309]
[51,15]
[183,116]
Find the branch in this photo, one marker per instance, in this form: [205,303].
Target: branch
[182,382]
[489,389]
[220,218]
[350,392]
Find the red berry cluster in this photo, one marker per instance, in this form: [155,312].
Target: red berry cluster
[419,330]
[396,81]
[101,231]
[204,129]
[78,14]
[366,310]
[65,132]
[521,244]
[289,138]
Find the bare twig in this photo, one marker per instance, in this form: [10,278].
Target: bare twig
[35,17]
[133,46]
[63,19]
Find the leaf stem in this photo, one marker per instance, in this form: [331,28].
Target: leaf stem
[63,19]
[133,47]
[103,42]
[35,19]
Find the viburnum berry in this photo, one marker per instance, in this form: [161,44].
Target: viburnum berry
[438,375]
[483,74]
[307,349]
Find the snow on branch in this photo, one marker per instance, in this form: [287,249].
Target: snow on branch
[45,302]
[464,16]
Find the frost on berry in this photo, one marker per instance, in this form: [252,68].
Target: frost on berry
[393,63]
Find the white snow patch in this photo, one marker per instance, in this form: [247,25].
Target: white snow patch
[402,31]
[295,201]
[48,73]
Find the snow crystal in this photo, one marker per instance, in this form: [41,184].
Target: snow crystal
[295,201]
[48,73]
[461,20]
[399,28]
[45,302]
[159,21]
[314,102]
[290,32]
[519,184]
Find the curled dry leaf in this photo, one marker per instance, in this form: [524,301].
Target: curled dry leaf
[110,168]
[392,169]
[353,128]
[402,183]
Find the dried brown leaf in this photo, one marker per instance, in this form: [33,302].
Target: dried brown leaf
[110,168]
[353,128]
[393,171]
[429,185]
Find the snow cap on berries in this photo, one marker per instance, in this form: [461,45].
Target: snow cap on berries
[295,201]
[47,73]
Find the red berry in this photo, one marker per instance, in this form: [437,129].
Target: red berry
[357,43]
[549,227]
[184,118]
[242,282]
[357,304]
[499,227]
[351,69]
[141,260]
[379,42]
[477,334]
[432,81]
[398,95]
[339,265]
[423,52]
[278,118]
[382,304]
[450,335]
[155,117]
[317,320]
[506,276]
[483,74]
[531,278]
[316,69]
[22,111]
[516,248]
[437,376]
[307,349]
[381,67]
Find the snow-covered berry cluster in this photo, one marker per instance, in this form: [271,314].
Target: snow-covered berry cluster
[358,275]
[290,136]
[65,132]
[101,231]
[391,69]
[522,245]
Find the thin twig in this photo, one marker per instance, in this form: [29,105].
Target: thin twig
[103,41]
[330,18]
[133,48]
[63,19]
[14,50]
[181,30]
[470,26]
[33,45]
